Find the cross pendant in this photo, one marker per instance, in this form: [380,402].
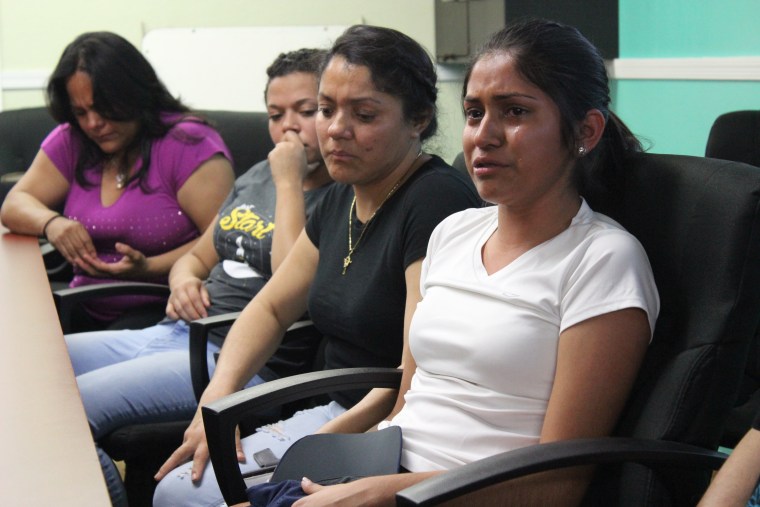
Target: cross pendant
[346,262]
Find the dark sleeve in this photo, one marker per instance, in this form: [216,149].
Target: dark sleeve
[312,223]
[322,212]
[435,196]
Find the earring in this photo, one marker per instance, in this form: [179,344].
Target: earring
[581,151]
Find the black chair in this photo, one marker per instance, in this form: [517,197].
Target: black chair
[246,134]
[699,221]
[67,301]
[21,134]
[736,136]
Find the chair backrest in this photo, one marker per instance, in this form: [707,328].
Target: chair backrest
[699,221]
[459,164]
[21,133]
[246,134]
[735,136]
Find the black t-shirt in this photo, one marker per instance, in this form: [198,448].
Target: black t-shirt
[362,312]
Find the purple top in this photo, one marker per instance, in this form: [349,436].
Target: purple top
[153,222]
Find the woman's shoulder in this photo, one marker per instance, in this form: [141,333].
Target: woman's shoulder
[188,125]
[335,199]
[606,238]
[462,227]
[437,180]
[600,223]
[257,180]
[436,168]
[469,219]
[190,140]
[63,146]
[258,172]
[62,133]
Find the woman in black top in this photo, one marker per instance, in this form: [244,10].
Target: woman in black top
[356,268]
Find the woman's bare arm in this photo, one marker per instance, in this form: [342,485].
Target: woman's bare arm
[251,341]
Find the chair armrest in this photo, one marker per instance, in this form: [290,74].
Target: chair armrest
[11,178]
[46,248]
[554,455]
[67,299]
[55,263]
[222,416]
[199,330]
[7,181]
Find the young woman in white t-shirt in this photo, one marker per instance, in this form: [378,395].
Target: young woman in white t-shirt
[535,313]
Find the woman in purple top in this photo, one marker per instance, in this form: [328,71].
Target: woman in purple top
[138,177]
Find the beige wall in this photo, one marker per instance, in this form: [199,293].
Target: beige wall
[34,32]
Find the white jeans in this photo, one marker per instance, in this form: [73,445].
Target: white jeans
[176,489]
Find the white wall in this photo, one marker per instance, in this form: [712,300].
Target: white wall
[225,67]
[33,34]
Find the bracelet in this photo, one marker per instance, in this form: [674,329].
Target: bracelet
[44,227]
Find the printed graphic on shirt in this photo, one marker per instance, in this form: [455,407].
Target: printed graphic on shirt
[243,218]
[244,234]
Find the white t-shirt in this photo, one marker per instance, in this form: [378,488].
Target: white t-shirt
[486,346]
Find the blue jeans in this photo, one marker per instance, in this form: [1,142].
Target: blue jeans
[176,489]
[134,377]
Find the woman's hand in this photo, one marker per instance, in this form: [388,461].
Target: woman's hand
[364,492]
[194,447]
[371,491]
[188,300]
[288,161]
[133,265]
[72,240]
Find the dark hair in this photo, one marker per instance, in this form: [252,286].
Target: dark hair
[124,88]
[560,61]
[398,65]
[306,60]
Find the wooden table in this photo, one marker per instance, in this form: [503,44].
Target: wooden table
[47,456]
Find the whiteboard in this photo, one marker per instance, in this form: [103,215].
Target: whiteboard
[225,68]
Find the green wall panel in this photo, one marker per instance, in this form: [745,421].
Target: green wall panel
[676,116]
[689,28]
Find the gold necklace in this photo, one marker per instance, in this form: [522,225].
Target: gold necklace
[352,247]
